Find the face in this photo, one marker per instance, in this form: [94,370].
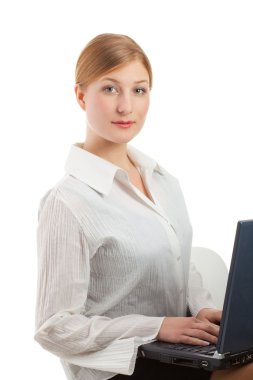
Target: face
[116,104]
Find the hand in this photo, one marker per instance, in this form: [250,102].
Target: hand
[210,315]
[189,330]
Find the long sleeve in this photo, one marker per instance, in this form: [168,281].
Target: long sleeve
[99,342]
[198,296]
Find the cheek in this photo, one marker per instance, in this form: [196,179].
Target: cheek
[96,108]
[143,107]
[101,104]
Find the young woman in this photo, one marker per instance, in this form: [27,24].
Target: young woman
[114,238]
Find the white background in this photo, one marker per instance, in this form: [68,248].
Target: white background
[199,127]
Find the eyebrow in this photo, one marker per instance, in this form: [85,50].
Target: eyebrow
[116,81]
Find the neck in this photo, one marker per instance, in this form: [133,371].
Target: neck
[116,153]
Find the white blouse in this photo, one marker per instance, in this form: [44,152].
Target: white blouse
[111,264]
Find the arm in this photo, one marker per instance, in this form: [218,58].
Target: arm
[63,279]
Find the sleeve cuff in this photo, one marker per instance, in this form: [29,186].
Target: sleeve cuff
[119,357]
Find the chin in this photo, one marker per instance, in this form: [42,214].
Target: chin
[123,140]
[124,137]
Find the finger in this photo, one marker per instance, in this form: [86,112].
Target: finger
[212,328]
[203,335]
[208,327]
[185,339]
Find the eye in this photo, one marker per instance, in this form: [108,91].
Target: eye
[140,90]
[110,90]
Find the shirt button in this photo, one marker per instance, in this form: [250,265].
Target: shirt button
[178,258]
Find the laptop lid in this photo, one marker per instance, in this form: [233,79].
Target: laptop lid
[236,331]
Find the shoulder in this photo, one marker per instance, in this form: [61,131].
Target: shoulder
[57,193]
[69,194]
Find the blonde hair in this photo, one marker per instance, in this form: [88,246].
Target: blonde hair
[105,53]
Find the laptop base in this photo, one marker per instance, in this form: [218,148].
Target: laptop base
[163,352]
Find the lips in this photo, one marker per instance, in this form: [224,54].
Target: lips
[123,123]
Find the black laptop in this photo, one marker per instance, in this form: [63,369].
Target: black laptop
[235,341]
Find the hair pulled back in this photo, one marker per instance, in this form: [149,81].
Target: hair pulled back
[105,53]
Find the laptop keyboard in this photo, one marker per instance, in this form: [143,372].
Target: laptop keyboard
[206,350]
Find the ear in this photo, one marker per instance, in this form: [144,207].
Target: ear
[80,96]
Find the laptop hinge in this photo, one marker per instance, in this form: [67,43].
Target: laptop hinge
[216,355]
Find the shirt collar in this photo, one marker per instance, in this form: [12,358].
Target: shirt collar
[99,173]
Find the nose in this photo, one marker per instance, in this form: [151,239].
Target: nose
[124,105]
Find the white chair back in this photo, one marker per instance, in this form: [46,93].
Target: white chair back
[214,272]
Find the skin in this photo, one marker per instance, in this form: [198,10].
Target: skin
[124,94]
[108,100]
[201,330]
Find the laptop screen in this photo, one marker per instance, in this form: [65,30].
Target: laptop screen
[236,331]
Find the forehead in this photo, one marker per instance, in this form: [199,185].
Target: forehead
[134,71]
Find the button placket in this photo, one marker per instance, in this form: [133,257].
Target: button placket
[171,234]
